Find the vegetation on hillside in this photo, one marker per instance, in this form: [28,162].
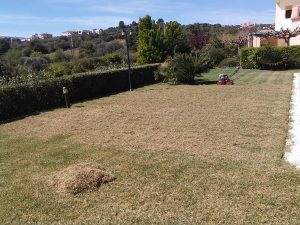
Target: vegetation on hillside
[150,41]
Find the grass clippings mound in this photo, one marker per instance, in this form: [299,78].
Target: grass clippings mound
[80,178]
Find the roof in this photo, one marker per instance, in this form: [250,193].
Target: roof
[262,33]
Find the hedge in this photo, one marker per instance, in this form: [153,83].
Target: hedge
[271,58]
[16,101]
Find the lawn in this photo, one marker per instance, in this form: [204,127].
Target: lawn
[201,154]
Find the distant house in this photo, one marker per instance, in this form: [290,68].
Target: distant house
[34,37]
[97,31]
[81,32]
[70,33]
[46,36]
[287,17]
[87,32]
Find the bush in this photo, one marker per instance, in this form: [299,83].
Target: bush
[87,64]
[35,63]
[28,98]
[57,70]
[88,49]
[4,46]
[113,59]
[35,54]
[26,52]
[58,56]
[271,58]
[13,56]
[229,62]
[22,74]
[182,68]
[216,56]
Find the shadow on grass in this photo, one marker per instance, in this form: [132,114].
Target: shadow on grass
[199,81]
[52,107]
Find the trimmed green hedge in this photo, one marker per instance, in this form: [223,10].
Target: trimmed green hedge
[25,99]
[271,58]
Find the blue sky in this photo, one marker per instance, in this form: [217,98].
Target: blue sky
[26,17]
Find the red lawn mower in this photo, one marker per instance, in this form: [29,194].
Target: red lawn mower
[224,79]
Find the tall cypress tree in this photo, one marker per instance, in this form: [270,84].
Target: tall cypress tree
[152,46]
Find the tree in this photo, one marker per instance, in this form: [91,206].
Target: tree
[175,37]
[4,46]
[152,46]
[122,25]
[285,34]
[246,30]
[35,63]
[59,56]
[37,46]
[157,41]
[161,23]
[12,56]
[199,40]
[88,49]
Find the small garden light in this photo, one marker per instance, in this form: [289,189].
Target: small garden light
[66,95]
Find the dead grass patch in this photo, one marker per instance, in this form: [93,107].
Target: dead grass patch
[209,121]
[223,166]
[80,178]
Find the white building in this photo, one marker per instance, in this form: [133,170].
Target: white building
[86,32]
[46,36]
[69,33]
[287,17]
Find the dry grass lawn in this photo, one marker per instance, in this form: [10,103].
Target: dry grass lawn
[182,155]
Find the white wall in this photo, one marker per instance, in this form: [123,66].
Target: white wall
[256,42]
[282,22]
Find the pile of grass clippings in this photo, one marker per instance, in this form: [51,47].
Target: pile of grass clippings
[80,178]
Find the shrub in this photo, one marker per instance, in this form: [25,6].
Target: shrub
[38,46]
[182,68]
[216,55]
[133,57]
[4,46]
[13,56]
[271,58]
[113,59]
[88,49]
[23,99]
[229,62]
[58,70]
[26,52]
[36,54]
[35,63]
[248,60]
[21,74]
[104,48]
[87,64]
[58,56]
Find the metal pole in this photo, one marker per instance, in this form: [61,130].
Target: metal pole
[128,60]
[72,47]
